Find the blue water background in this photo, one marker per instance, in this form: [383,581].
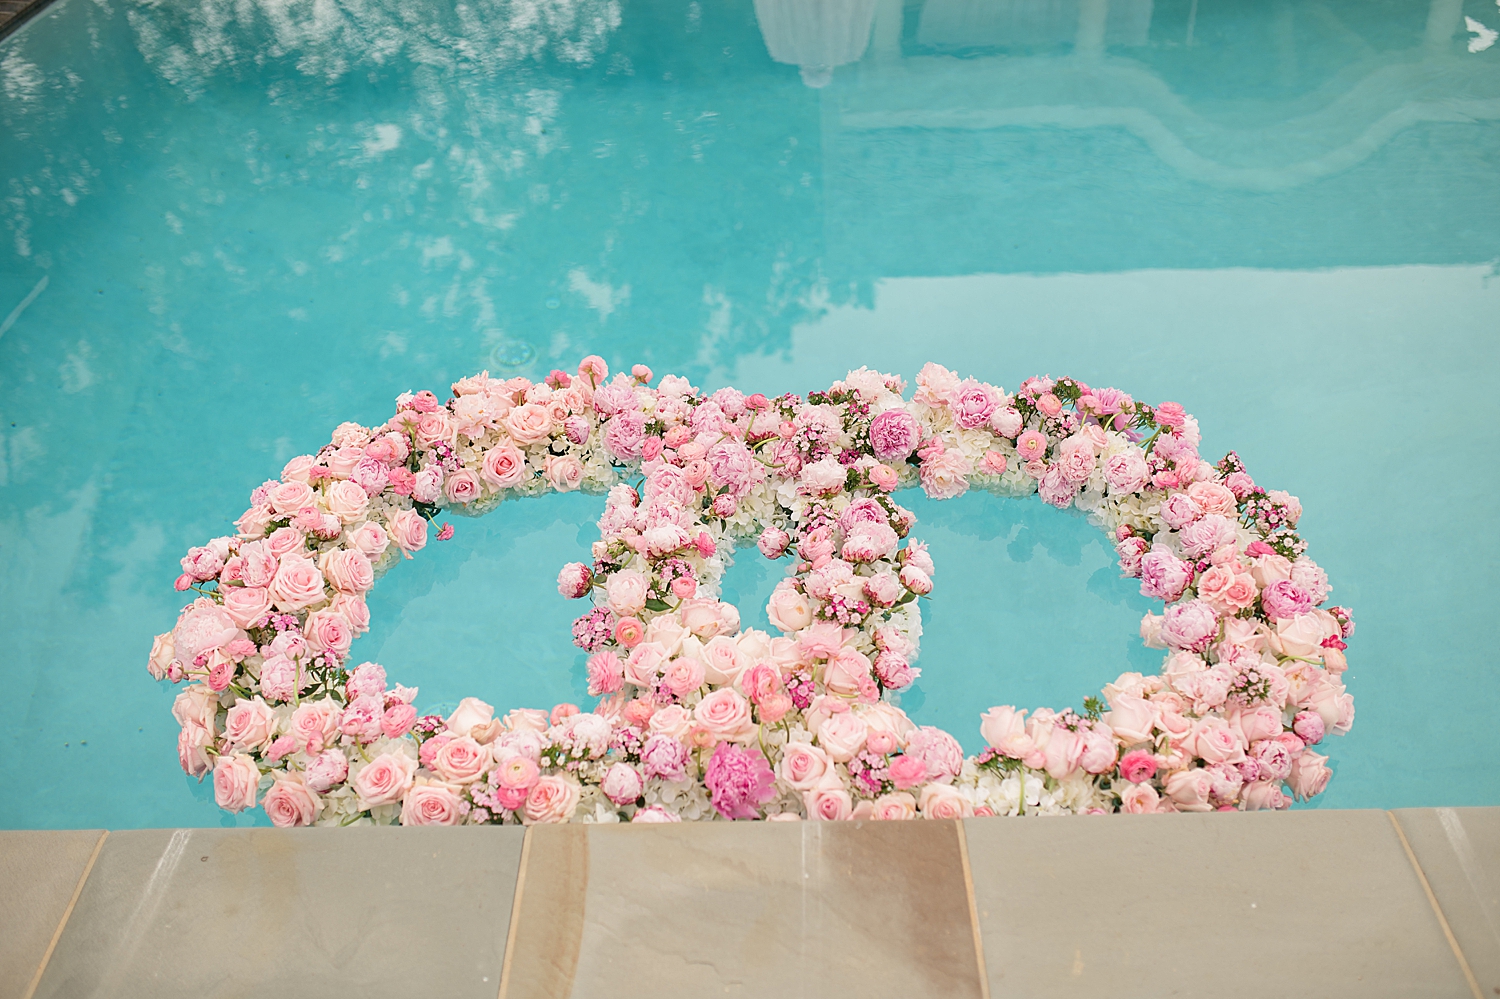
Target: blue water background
[231,232]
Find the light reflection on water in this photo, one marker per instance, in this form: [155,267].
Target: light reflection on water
[230,226]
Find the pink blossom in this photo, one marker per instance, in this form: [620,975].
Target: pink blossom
[1164,575]
[973,404]
[1137,766]
[894,435]
[1285,599]
[574,580]
[739,781]
[1192,626]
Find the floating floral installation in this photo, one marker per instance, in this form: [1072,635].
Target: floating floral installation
[698,718]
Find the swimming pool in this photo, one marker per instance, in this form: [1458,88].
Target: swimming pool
[231,226]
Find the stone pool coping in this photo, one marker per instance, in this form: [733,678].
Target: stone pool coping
[14,13]
[1315,903]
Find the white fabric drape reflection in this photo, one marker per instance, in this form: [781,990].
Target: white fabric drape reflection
[815,35]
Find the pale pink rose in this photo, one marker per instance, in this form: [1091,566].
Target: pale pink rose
[163,653]
[1126,472]
[384,780]
[434,427]
[1063,753]
[723,662]
[673,720]
[529,423]
[192,749]
[1131,718]
[1255,724]
[644,664]
[551,799]
[842,736]
[461,760]
[503,466]
[315,725]
[249,724]
[246,605]
[898,805]
[725,714]
[622,784]
[1192,626]
[291,803]
[626,592]
[1268,569]
[1214,741]
[683,675]
[327,631]
[564,473]
[347,501]
[289,497]
[804,766]
[1004,728]
[347,570]
[408,529]
[462,486]
[430,804]
[1190,790]
[1138,799]
[1309,775]
[1099,750]
[847,673]
[471,713]
[254,521]
[235,782]
[1264,794]
[943,801]
[298,583]
[196,705]
[788,609]
[827,804]
[327,770]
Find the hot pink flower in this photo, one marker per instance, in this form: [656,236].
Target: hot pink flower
[739,781]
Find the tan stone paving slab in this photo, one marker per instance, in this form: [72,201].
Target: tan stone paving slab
[815,909]
[1303,904]
[1459,850]
[214,913]
[39,872]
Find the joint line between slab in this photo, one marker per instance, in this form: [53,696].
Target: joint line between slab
[62,923]
[963,856]
[515,916]
[1436,909]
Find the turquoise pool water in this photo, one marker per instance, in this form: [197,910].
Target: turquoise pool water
[229,226]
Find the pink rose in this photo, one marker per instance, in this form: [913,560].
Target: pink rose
[462,486]
[298,583]
[894,435]
[315,725]
[1099,750]
[1190,790]
[1063,752]
[246,605]
[622,784]
[385,780]
[236,778]
[1213,740]
[827,804]
[348,570]
[1131,718]
[291,803]
[848,672]
[202,627]
[1138,799]
[347,501]
[1192,626]
[842,736]
[1264,794]
[430,804]
[803,766]
[529,423]
[503,466]
[470,714]
[249,724]
[289,497]
[788,609]
[327,631]
[1004,728]
[1309,774]
[551,799]
[897,805]
[564,473]
[943,801]
[408,529]
[1255,724]
[460,760]
[725,714]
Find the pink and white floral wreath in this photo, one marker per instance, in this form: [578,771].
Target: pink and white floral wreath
[698,718]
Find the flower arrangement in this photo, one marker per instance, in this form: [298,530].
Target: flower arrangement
[698,718]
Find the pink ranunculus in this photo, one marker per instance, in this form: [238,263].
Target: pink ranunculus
[827,804]
[1164,576]
[943,801]
[397,720]
[1137,766]
[894,435]
[1192,626]
[236,778]
[431,804]
[622,784]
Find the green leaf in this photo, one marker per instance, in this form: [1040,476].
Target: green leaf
[657,605]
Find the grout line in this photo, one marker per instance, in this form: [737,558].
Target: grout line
[515,916]
[36,979]
[963,855]
[1437,909]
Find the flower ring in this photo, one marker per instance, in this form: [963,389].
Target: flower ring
[698,718]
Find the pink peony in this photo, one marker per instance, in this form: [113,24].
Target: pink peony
[943,476]
[1164,575]
[665,757]
[894,435]
[574,580]
[739,781]
[1285,599]
[622,784]
[1192,626]
[974,403]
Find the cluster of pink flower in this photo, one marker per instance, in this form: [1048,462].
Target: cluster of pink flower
[699,718]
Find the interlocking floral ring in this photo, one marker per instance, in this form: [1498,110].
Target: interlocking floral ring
[698,718]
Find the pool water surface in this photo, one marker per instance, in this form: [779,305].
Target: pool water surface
[230,226]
